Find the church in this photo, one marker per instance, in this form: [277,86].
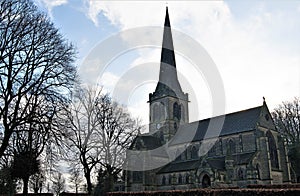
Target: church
[178,154]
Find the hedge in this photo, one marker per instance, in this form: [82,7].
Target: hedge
[216,192]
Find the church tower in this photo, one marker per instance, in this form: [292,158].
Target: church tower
[168,103]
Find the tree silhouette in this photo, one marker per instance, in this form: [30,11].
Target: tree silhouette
[287,120]
[35,66]
[98,132]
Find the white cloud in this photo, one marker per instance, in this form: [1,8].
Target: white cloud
[252,56]
[50,4]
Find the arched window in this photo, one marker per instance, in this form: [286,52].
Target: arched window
[187,179]
[180,179]
[163,181]
[182,112]
[241,143]
[258,171]
[162,111]
[205,181]
[241,174]
[170,179]
[174,179]
[231,147]
[221,146]
[272,150]
[194,153]
[176,111]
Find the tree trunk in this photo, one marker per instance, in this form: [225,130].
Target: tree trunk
[88,180]
[25,185]
[5,142]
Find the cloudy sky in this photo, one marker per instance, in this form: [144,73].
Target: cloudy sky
[255,47]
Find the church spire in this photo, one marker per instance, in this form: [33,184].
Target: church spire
[168,84]
[167,52]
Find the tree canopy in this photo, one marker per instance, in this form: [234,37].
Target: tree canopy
[36,65]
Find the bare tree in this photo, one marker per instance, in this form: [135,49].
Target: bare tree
[30,139]
[98,131]
[58,183]
[35,64]
[82,127]
[117,131]
[75,179]
[287,120]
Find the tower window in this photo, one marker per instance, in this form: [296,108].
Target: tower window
[155,112]
[182,112]
[176,111]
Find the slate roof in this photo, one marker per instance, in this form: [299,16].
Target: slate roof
[214,162]
[180,166]
[236,122]
[148,142]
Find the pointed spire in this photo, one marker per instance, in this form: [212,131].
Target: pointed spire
[168,84]
[167,53]
[167,20]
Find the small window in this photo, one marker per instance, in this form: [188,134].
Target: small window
[187,179]
[267,117]
[241,143]
[194,152]
[231,147]
[163,180]
[180,179]
[221,146]
[176,111]
[241,174]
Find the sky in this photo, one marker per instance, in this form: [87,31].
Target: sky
[254,47]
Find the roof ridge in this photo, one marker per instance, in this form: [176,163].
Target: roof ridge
[257,107]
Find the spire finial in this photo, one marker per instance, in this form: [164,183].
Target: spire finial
[264,100]
[167,20]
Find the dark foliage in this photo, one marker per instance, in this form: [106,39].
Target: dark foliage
[219,192]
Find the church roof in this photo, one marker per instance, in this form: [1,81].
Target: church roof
[213,162]
[180,166]
[148,142]
[237,122]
